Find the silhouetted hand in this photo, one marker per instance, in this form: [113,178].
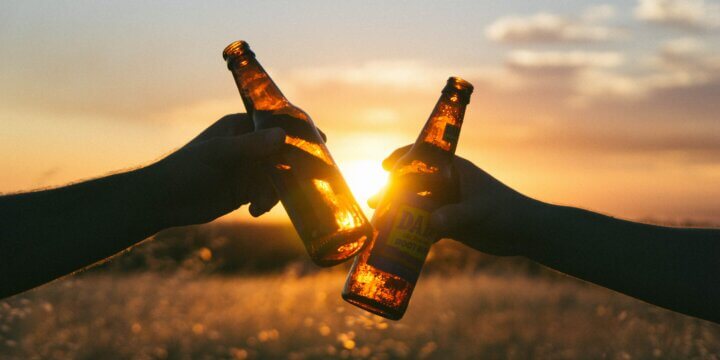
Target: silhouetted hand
[488,214]
[217,172]
[212,175]
[671,267]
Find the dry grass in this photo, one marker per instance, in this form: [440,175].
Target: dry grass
[282,316]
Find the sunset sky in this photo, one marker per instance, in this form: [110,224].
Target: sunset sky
[611,106]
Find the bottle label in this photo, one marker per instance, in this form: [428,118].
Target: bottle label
[403,241]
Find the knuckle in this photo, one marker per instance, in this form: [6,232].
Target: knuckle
[232,117]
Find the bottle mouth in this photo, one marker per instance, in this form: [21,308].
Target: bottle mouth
[460,86]
[236,49]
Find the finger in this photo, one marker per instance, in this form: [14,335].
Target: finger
[252,146]
[390,161]
[451,219]
[228,125]
[263,198]
[322,135]
[261,207]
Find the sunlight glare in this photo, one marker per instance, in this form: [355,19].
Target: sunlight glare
[365,178]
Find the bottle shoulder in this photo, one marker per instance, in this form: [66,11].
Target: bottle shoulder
[293,111]
[284,115]
[293,120]
[433,178]
[422,159]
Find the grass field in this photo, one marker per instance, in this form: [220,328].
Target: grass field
[184,316]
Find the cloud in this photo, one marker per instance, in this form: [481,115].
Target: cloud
[402,74]
[576,77]
[669,71]
[691,14]
[598,83]
[562,60]
[687,54]
[684,62]
[552,28]
[585,75]
[599,12]
[394,74]
[582,74]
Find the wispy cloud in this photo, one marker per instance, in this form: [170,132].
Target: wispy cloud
[393,74]
[684,62]
[583,74]
[677,64]
[689,55]
[552,28]
[598,13]
[691,14]
[562,60]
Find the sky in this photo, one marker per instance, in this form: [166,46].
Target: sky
[610,106]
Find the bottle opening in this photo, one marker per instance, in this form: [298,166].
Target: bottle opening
[237,48]
[460,86]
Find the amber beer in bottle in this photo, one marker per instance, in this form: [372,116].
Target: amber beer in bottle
[384,274]
[308,182]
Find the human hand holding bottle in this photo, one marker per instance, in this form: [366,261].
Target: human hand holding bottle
[213,174]
[217,172]
[489,214]
[667,266]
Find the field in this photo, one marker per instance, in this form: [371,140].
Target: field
[188,313]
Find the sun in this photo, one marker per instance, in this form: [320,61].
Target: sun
[365,178]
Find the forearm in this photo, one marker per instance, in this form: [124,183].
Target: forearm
[48,234]
[670,267]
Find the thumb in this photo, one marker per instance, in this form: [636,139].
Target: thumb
[390,161]
[451,219]
[254,145]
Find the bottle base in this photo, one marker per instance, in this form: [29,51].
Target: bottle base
[336,249]
[374,306]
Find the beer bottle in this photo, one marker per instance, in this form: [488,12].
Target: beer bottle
[384,274]
[319,203]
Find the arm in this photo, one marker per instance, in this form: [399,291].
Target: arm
[671,267]
[47,234]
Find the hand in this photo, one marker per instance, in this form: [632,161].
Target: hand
[488,217]
[217,172]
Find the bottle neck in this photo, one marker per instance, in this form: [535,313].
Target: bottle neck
[257,89]
[442,129]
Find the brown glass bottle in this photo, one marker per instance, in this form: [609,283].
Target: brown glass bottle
[308,182]
[384,274]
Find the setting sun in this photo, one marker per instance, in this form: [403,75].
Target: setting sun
[365,178]
[150,208]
